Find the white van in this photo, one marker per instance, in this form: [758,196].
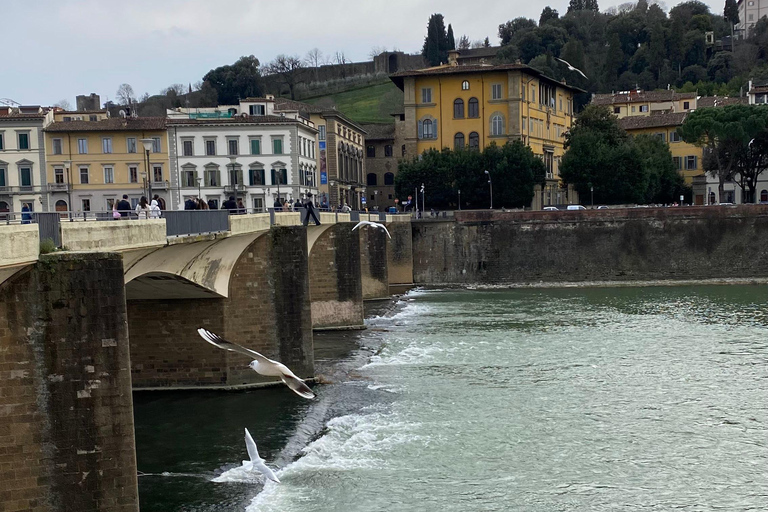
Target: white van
[576,207]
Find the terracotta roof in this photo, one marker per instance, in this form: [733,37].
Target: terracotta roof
[471,53]
[286,104]
[709,101]
[447,69]
[380,131]
[12,117]
[653,121]
[640,97]
[237,120]
[115,124]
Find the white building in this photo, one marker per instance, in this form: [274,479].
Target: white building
[22,158]
[244,150]
[750,11]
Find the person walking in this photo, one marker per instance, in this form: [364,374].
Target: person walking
[124,207]
[26,215]
[230,205]
[212,204]
[310,210]
[190,204]
[142,209]
[278,205]
[154,209]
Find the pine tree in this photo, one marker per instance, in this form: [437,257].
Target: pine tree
[731,12]
[487,42]
[451,41]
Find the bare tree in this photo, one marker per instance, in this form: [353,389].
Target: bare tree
[286,68]
[477,44]
[341,60]
[463,43]
[197,85]
[174,89]
[63,104]
[314,59]
[125,95]
[376,51]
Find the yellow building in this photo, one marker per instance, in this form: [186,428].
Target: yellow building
[457,106]
[645,103]
[93,160]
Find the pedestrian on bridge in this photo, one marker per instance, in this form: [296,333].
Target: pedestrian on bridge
[310,210]
[124,207]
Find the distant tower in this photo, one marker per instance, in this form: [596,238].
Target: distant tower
[92,102]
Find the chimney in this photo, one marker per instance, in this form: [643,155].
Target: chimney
[453,57]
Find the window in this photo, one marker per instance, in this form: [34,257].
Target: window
[109,175]
[190,179]
[388,150]
[82,146]
[372,179]
[57,146]
[474,140]
[210,147]
[751,17]
[232,147]
[686,105]
[370,151]
[426,95]
[321,134]
[258,204]
[58,176]
[661,136]
[402,148]
[106,145]
[93,118]
[473,108]
[157,173]
[465,85]
[427,130]
[674,136]
[495,91]
[678,162]
[156,148]
[279,176]
[255,146]
[633,108]
[277,146]
[256,110]
[691,162]
[1,142]
[25,176]
[643,108]
[84,175]
[389,178]
[133,174]
[497,124]
[458,141]
[187,148]
[130,144]
[23,141]
[3,181]
[617,110]
[86,205]
[458,109]
[212,178]
[764,196]
[256,176]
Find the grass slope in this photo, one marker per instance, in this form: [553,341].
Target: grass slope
[371,104]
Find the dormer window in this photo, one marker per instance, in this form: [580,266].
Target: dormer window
[257,110]
[465,85]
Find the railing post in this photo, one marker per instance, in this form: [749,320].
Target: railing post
[271,216]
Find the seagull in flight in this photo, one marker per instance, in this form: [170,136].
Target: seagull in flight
[373,225]
[571,68]
[261,365]
[257,462]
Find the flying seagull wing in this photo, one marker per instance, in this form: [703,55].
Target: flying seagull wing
[219,342]
[361,223]
[264,470]
[563,61]
[257,462]
[582,74]
[297,386]
[382,226]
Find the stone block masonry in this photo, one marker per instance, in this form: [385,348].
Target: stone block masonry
[484,247]
[267,310]
[373,263]
[400,253]
[335,278]
[66,412]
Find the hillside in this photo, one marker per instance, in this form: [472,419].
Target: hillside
[370,104]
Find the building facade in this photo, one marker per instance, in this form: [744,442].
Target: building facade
[382,153]
[645,103]
[92,160]
[458,106]
[750,11]
[246,151]
[22,158]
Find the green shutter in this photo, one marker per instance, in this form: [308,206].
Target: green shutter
[277,146]
[255,149]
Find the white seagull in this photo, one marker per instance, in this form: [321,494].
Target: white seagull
[571,68]
[260,364]
[257,462]
[373,225]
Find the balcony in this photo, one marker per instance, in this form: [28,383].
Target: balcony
[161,185]
[237,188]
[19,190]
[57,187]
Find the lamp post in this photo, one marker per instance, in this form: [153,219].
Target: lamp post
[423,204]
[490,186]
[459,199]
[199,181]
[67,165]
[147,147]
[233,175]
[592,195]
[144,182]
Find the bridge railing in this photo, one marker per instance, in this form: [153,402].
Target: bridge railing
[195,222]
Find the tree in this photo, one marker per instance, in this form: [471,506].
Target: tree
[548,14]
[314,59]
[463,43]
[435,48]
[451,40]
[751,162]
[486,42]
[724,133]
[731,12]
[665,183]
[237,81]
[125,95]
[63,104]
[508,30]
[340,59]
[583,5]
[286,68]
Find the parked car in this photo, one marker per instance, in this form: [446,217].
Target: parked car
[550,208]
[576,207]
[602,207]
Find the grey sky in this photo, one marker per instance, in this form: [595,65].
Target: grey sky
[58,49]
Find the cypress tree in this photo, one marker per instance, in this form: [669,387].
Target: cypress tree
[436,43]
[731,12]
[451,40]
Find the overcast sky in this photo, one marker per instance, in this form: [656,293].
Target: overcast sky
[57,49]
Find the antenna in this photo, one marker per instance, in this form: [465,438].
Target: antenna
[9,102]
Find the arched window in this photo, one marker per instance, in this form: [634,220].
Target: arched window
[465,85]
[403,149]
[458,141]
[372,180]
[474,141]
[458,109]
[61,205]
[389,179]
[497,124]
[473,108]
[764,196]
[428,131]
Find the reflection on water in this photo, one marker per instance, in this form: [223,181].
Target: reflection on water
[540,400]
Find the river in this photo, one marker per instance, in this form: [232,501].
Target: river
[583,399]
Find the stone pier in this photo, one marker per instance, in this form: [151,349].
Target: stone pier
[373,263]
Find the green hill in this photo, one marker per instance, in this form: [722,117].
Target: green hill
[371,104]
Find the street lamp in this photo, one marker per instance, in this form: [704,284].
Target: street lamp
[592,194]
[459,199]
[148,143]
[67,165]
[490,185]
[199,181]
[233,176]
